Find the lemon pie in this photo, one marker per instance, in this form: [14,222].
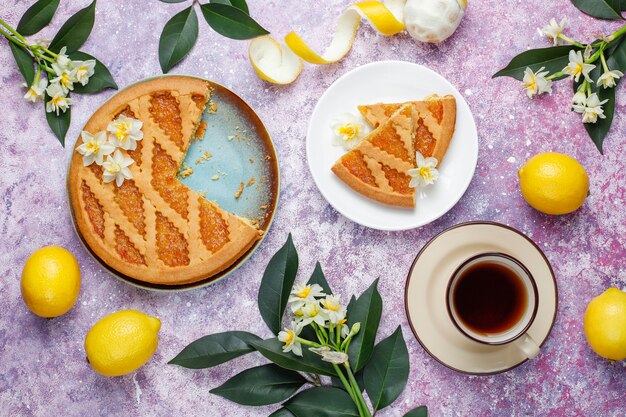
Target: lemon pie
[378,166]
[152,228]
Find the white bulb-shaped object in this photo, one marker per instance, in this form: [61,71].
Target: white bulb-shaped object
[433,21]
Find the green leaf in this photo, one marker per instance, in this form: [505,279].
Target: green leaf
[215,349]
[282,412]
[75,31]
[262,385]
[318,278]
[276,285]
[322,402]
[231,21]
[59,124]
[617,57]
[602,9]
[421,411]
[37,17]
[272,349]
[100,80]
[387,371]
[24,63]
[178,37]
[240,4]
[554,59]
[598,131]
[367,310]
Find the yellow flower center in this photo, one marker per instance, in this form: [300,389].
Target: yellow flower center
[299,312]
[331,306]
[65,79]
[113,167]
[304,293]
[57,100]
[122,129]
[349,131]
[92,146]
[425,173]
[531,85]
[289,338]
[578,69]
[314,311]
[342,322]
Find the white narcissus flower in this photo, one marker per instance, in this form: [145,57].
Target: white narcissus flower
[536,82]
[125,132]
[553,29]
[426,172]
[348,130]
[329,355]
[577,66]
[593,109]
[302,294]
[290,338]
[83,70]
[64,78]
[311,314]
[116,168]
[94,148]
[578,102]
[36,92]
[63,62]
[332,310]
[58,100]
[607,80]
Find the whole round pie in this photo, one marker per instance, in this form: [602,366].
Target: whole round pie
[153,228]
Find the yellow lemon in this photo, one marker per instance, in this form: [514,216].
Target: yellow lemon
[605,324]
[122,342]
[50,281]
[554,183]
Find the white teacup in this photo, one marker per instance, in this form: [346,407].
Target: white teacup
[514,333]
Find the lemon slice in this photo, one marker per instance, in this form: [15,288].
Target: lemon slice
[273,61]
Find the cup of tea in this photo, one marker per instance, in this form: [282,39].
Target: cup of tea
[492,299]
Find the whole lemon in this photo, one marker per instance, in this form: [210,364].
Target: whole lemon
[605,324]
[50,281]
[122,342]
[554,183]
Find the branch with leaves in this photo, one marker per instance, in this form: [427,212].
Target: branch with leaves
[229,18]
[55,69]
[328,345]
[596,67]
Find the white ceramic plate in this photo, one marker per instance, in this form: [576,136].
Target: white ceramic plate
[425,296]
[390,81]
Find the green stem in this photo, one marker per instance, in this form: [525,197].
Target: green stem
[355,386]
[350,390]
[555,75]
[13,31]
[617,34]
[604,65]
[321,335]
[11,38]
[572,41]
[308,342]
[44,57]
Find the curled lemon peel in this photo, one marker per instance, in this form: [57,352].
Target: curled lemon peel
[280,64]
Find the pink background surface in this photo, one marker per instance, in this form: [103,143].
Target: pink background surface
[42,362]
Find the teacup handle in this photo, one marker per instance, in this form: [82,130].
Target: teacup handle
[527,346]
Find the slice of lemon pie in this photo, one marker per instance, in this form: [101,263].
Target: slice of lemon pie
[132,210]
[378,166]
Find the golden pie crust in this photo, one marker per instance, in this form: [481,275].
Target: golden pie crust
[153,228]
[377,167]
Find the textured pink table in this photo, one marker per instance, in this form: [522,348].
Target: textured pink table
[42,363]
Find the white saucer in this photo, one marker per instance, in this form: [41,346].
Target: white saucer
[425,296]
[390,81]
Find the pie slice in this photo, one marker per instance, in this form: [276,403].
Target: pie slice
[153,228]
[434,125]
[377,167]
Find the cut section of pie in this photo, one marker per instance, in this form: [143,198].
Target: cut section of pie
[377,167]
[153,228]
[434,126]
